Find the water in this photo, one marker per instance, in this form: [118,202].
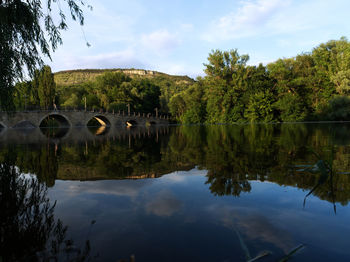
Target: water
[192,193]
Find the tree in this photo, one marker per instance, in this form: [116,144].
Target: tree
[46,87]
[226,83]
[224,64]
[146,95]
[27,29]
[177,105]
[260,107]
[114,87]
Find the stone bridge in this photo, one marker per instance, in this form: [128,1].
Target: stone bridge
[78,118]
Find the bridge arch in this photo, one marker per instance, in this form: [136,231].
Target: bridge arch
[131,122]
[100,119]
[99,130]
[53,133]
[61,119]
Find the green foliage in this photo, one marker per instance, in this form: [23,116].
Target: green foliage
[215,92]
[72,101]
[112,91]
[116,107]
[196,112]
[25,96]
[291,108]
[338,109]
[41,91]
[46,87]
[146,95]
[260,107]
[188,106]
[290,89]
[177,105]
[226,83]
[113,87]
[342,82]
[224,64]
[24,36]
[168,85]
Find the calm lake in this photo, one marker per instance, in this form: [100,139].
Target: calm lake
[188,193]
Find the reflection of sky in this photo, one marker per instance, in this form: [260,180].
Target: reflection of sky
[175,218]
[163,204]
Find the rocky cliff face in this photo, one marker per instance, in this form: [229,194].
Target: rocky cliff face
[138,72]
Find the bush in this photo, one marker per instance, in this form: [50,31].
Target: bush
[291,108]
[338,109]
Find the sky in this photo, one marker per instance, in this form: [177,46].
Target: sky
[175,37]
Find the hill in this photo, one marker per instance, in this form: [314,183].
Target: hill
[79,76]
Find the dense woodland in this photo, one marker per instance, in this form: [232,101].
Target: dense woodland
[310,86]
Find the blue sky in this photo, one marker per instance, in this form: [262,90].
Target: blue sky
[176,36]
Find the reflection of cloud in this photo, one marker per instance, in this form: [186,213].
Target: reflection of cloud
[129,188]
[165,204]
[182,176]
[259,227]
[255,227]
[174,177]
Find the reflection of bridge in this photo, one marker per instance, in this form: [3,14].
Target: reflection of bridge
[79,134]
[78,118]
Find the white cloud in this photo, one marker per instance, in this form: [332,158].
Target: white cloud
[109,26]
[160,42]
[177,68]
[250,17]
[187,27]
[123,59]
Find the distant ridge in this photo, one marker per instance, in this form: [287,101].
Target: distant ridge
[79,76]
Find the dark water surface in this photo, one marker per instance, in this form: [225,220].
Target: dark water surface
[191,193]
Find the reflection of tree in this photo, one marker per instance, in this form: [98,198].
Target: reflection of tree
[234,152]
[40,160]
[227,184]
[330,184]
[110,159]
[233,155]
[28,225]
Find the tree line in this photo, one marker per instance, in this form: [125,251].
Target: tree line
[309,87]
